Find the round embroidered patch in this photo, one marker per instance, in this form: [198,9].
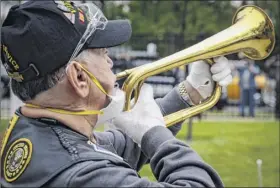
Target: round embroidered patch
[17,159]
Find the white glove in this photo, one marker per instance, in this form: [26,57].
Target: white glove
[143,116]
[202,80]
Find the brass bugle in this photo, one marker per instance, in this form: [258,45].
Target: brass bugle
[252,33]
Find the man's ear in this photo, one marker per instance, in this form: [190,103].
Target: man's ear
[78,79]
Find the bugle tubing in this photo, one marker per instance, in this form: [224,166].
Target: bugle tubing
[252,33]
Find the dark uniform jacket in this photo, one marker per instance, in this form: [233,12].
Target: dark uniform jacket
[45,153]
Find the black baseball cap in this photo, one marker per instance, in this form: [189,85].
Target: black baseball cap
[39,37]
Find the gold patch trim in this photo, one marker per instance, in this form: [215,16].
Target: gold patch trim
[21,143]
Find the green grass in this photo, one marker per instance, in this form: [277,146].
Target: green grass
[232,148]
[3,125]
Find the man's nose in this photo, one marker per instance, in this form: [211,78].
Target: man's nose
[110,62]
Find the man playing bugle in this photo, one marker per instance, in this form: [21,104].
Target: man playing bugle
[56,55]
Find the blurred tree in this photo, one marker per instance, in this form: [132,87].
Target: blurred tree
[113,11]
[179,21]
[183,19]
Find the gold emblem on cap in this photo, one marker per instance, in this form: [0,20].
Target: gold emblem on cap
[16,76]
[17,159]
[66,6]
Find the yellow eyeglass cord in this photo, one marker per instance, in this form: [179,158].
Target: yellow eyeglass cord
[80,113]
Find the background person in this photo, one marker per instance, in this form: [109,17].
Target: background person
[247,71]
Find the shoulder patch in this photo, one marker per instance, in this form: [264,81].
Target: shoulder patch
[17,159]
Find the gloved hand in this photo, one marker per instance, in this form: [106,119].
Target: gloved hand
[142,117]
[202,76]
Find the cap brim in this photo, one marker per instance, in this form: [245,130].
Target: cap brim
[115,33]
